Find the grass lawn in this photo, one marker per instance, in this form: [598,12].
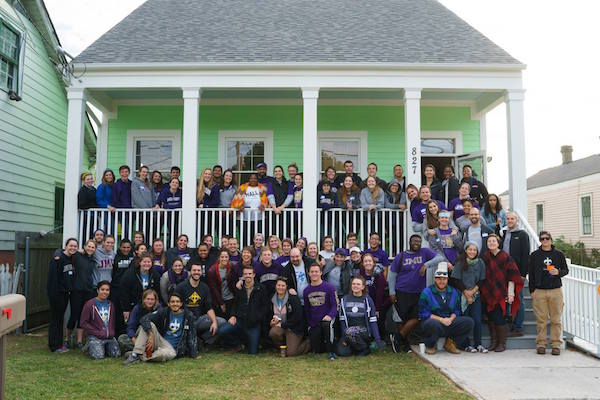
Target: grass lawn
[35,373]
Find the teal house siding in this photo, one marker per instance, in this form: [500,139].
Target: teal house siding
[32,140]
[384,126]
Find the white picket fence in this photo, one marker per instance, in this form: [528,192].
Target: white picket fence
[9,281]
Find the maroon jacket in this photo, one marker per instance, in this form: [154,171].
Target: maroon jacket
[378,295]
[91,321]
[214,281]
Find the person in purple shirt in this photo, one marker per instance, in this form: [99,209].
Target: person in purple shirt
[382,260]
[412,195]
[456,205]
[406,279]
[121,193]
[445,239]
[170,197]
[267,270]
[418,214]
[263,178]
[321,309]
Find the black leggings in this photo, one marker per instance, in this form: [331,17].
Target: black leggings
[322,334]
[77,299]
[58,306]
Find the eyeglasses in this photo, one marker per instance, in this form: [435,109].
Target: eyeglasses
[545,238]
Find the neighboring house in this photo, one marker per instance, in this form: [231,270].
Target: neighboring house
[564,200]
[197,83]
[33,124]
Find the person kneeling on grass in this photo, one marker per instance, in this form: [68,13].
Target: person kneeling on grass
[359,321]
[98,321]
[287,323]
[320,307]
[165,334]
[439,313]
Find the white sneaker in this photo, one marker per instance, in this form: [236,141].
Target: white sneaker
[481,349]
[470,349]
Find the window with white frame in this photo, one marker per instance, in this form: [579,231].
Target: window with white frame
[157,150]
[241,151]
[9,57]
[539,217]
[335,148]
[585,212]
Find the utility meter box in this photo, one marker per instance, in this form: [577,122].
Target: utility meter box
[12,309]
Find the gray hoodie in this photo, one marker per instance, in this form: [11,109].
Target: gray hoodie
[141,196]
[226,195]
[366,199]
[104,265]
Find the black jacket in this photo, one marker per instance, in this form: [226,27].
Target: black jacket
[452,188]
[538,266]
[295,320]
[478,190]
[339,180]
[130,290]
[519,249]
[288,272]
[84,269]
[205,262]
[188,344]
[86,198]
[280,191]
[435,189]
[121,265]
[251,312]
[60,275]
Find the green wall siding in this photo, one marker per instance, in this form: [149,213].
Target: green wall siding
[32,141]
[384,124]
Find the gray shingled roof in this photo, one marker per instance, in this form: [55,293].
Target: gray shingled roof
[565,172]
[288,31]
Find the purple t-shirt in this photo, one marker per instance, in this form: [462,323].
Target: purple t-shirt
[382,259]
[407,264]
[283,260]
[418,214]
[448,245]
[319,301]
[267,276]
[456,207]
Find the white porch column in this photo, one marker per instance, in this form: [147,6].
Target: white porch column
[412,135]
[74,154]
[102,148]
[310,162]
[191,104]
[517,176]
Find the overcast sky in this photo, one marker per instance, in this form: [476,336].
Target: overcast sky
[558,40]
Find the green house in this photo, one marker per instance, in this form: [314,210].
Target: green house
[33,124]
[196,83]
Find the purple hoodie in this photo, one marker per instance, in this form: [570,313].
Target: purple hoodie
[121,194]
[319,301]
[91,321]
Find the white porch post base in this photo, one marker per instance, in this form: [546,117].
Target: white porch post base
[191,104]
[75,131]
[412,135]
[310,163]
[517,176]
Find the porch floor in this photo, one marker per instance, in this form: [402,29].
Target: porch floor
[521,374]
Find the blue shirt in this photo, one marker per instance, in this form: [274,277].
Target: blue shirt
[175,329]
[103,310]
[145,279]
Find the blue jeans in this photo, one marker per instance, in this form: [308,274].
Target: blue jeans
[520,317]
[458,330]
[474,311]
[249,335]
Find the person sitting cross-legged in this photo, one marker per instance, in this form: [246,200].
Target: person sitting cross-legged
[165,334]
[149,304]
[98,321]
[359,321]
[439,313]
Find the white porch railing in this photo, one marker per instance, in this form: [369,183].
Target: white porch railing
[581,315]
[391,225]
[123,223]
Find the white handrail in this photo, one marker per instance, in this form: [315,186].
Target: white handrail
[534,241]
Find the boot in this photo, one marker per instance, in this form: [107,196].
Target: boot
[493,338]
[501,335]
[450,346]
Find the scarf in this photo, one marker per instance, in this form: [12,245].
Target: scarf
[175,279]
[499,270]
[280,312]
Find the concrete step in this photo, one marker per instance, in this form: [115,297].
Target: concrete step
[523,342]
[529,328]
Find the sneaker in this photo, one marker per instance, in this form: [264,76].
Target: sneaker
[132,358]
[470,349]
[394,343]
[62,349]
[405,346]
[481,349]
[541,350]
[556,351]
[332,356]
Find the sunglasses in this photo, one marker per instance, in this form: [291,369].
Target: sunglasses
[545,238]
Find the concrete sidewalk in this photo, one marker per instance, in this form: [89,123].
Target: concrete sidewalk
[521,374]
